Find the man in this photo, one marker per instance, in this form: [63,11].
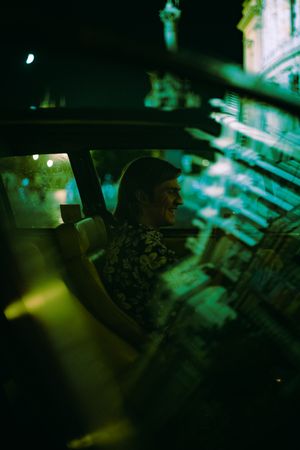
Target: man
[148,197]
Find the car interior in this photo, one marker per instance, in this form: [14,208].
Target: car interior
[77,371]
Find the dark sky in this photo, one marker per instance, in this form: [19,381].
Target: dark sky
[205,27]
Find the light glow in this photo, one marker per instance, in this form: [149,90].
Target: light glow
[30,58]
[209,212]
[214,191]
[222,167]
[35,157]
[36,299]
[49,163]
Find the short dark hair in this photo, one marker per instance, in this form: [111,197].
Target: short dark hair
[141,174]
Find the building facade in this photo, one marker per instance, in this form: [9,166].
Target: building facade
[271,32]
[271,39]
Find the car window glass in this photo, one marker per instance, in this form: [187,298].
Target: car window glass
[36,186]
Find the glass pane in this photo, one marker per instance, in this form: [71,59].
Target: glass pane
[36,186]
[109,164]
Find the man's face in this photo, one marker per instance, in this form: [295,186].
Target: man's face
[162,206]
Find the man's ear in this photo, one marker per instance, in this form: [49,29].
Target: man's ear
[141,197]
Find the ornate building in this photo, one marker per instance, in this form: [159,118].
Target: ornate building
[271,30]
[271,34]
[262,141]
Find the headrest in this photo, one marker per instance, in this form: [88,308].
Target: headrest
[82,237]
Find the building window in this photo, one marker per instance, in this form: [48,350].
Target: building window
[294,82]
[293,17]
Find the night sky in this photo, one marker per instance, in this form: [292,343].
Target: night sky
[207,27]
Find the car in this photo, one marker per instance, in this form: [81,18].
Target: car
[79,372]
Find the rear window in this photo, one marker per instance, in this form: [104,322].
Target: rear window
[36,186]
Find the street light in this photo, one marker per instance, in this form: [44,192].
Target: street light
[30,58]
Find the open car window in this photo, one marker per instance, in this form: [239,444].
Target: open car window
[109,164]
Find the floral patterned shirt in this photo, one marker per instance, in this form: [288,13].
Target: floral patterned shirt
[135,257]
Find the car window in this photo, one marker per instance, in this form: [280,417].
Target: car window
[109,164]
[36,186]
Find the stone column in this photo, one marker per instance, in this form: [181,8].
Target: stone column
[170,16]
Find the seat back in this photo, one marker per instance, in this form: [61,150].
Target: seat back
[82,245]
[66,372]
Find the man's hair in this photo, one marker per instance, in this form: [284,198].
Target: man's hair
[141,174]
